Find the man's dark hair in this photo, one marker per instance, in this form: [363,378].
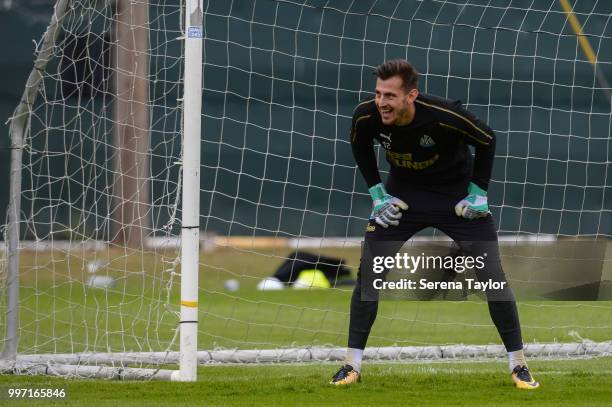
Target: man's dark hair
[401,68]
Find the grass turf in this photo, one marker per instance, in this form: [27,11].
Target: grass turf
[586,382]
[60,313]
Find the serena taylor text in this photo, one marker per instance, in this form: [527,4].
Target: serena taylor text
[424,284]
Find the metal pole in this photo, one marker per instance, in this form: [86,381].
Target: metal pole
[585,45]
[16,131]
[190,232]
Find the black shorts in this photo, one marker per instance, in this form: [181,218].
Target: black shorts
[475,238]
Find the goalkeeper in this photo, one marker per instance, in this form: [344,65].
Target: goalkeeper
[433,182]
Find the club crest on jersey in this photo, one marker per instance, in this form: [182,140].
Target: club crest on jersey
[386,140]
[426,141]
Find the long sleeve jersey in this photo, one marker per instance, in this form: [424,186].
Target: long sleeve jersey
[430,151]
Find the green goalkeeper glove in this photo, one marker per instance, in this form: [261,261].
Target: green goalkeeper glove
[474,205]
[387,209]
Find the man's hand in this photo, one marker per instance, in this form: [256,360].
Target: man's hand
[387,209]
[474,205]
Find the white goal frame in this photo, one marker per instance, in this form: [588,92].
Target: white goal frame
[190,240]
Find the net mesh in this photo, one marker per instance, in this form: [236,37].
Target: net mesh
[100,215]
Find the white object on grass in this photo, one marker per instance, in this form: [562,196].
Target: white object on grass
[101,282]
[270,284]
[231,285]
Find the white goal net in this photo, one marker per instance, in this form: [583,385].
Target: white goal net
[100,214]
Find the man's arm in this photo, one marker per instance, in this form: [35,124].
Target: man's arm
[476,133]
[362,143]
[386,209]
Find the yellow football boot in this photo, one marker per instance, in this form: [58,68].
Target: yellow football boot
[346,375]
[523,379]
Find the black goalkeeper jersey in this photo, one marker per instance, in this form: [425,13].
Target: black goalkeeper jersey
[432,151]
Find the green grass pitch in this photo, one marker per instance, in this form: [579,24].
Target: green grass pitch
[566,382]
[60,314]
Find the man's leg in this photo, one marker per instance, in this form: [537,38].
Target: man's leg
[363,313]
[477,237]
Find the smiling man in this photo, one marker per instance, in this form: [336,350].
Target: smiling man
[433,182]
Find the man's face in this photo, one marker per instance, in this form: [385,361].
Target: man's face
[394,103]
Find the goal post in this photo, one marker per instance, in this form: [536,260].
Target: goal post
[18,127]
[190,225]
[133,229]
